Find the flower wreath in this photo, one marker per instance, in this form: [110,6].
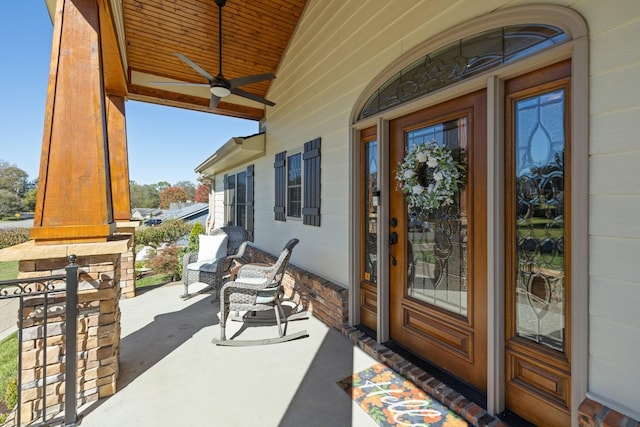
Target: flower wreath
[429,176]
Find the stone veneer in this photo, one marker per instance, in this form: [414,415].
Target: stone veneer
[324,299]
[98,323]
[128,262]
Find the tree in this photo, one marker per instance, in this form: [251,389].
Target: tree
[13,179]
[144,196]
[29,199]
[172,195]
[189,188]
[202,194]
[10,203]
[162,185]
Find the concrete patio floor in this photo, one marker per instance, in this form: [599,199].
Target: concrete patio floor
[172,375]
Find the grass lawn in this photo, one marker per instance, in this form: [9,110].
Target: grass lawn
[152,280]
[8,370]
[8,270]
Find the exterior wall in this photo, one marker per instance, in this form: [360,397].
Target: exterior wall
[340,47]
[614,199]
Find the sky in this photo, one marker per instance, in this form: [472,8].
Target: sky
[165,143]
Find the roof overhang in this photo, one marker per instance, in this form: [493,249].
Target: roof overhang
[233,153]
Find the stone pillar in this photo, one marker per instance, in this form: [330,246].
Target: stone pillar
[98,323]
[128,262]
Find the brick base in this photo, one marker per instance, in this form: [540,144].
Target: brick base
[592,414]
[324,299]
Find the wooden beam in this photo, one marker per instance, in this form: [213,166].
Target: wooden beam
[118,158]
[115,76]
[74,201]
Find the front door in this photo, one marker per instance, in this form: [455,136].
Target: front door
[438,286]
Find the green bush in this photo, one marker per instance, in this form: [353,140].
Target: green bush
[192,246]
[169,231]
[13,236]
[194,241]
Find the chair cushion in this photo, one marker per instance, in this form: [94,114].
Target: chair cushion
[212,247]
[266,296]
[207,265]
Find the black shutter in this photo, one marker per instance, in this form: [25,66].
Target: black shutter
[280,167]
[250,202]
[311,183]
[225,202]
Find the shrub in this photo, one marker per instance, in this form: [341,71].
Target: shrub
[13,236]
[166,261]
[194,241]
[192,246]
[169,231]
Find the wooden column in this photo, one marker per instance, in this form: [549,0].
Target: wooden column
[74,201]
[118,158]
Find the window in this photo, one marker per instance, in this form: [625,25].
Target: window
[294,185]
[238,200]
[297,184]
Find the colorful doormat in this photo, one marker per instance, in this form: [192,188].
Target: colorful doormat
[392,400]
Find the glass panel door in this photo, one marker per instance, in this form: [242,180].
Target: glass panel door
[437,240]
[438,285]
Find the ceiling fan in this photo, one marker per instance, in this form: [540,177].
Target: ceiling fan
[219,86]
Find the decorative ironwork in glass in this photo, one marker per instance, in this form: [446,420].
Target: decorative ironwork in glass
[540,261]
[371,212]
[462,59]
[437,241]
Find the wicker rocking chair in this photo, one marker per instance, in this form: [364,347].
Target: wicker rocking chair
[257,288]
[214,272]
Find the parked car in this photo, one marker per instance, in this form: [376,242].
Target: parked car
[151,222]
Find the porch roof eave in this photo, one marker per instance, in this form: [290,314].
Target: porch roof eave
[234,152]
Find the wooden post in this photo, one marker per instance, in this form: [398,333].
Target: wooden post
[74,201]
[118,158]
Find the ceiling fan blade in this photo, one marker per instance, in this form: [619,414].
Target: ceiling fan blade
[251,96]
[241,81]
[195,66]
[214,101]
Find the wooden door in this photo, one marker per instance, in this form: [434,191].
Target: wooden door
[438,287]
[537,247]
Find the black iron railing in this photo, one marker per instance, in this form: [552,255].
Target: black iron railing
[40,292]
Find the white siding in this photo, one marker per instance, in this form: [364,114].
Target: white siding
[614,182]
[341,46]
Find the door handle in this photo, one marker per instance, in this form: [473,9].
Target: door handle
[393,240]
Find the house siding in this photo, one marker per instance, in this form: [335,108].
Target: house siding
[340,47]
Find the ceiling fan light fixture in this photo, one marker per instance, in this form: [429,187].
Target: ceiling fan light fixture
[220,91]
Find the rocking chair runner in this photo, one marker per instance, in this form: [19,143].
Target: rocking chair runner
[257,288]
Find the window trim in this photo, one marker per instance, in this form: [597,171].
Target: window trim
[297,152]
[249,172]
